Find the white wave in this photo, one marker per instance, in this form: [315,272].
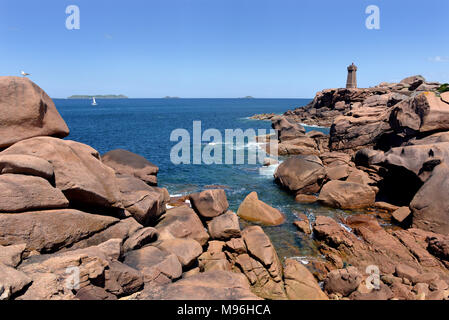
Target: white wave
[250,146]
[268,170]
[303,259]
[347,228]
[176,195]
[313,126]
[168,207]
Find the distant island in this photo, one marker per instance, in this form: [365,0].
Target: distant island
[247,97]
[106,96]
[168,97]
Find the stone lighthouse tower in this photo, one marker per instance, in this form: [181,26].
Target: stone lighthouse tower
[352,76]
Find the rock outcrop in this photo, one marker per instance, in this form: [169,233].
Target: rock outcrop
[127,163]
[26,111]
[79,173]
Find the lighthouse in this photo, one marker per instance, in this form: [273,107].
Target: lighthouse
[352,76]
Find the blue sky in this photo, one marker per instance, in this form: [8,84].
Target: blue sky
[220,48]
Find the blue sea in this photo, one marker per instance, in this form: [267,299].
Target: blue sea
[144,126]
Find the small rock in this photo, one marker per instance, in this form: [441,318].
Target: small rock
[405,271]
[401,214]
[306,198]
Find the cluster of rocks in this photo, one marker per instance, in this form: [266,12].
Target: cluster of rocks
[263,116]
[331,103]
[77,225]
[387,149]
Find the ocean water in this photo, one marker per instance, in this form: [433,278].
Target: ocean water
[144,126]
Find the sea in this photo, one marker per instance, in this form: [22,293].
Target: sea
[144,126]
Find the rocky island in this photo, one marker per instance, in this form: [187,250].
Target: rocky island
[66,210]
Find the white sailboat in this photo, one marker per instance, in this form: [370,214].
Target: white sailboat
[94,103]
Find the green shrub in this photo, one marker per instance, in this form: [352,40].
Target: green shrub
[443,88]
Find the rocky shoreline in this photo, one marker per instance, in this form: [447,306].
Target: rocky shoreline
[386,154]
[66,210]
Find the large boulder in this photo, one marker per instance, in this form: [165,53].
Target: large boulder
[213,285]
[20,193]
[210,203]
[300,283]
[430,207]
[79,173]
[362,127]
[29,165]
[346,195]
[55,276]
[252,209]
[26,111]
[128,163]
[187,250]
[144,202]
[154,264]
[299,145]
[182,222]
[301,174]
[287,129]
[261,264]
[131,233]
[425,113]
[224,227]
[419,159]
[49,231]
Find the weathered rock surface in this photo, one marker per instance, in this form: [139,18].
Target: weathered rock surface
[214,258]
[26,111]
[359,128]
[29,165]
[301,174]
[261,264]
[214,285]
[154,264]
[346,195]
[144,202]
[286,129]
[209,203]
[182,222]
[55,276]
[401,214]
[424,113]
[127,163]
[187,250]
[430,207]
[79,173]
[343,281]
[48,231]
[224,227]
[20,193]
[122,229]
[253,209]
[12,282]
[11,256]
[375,246]
[300,283]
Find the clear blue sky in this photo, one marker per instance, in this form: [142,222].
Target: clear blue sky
[220,48]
